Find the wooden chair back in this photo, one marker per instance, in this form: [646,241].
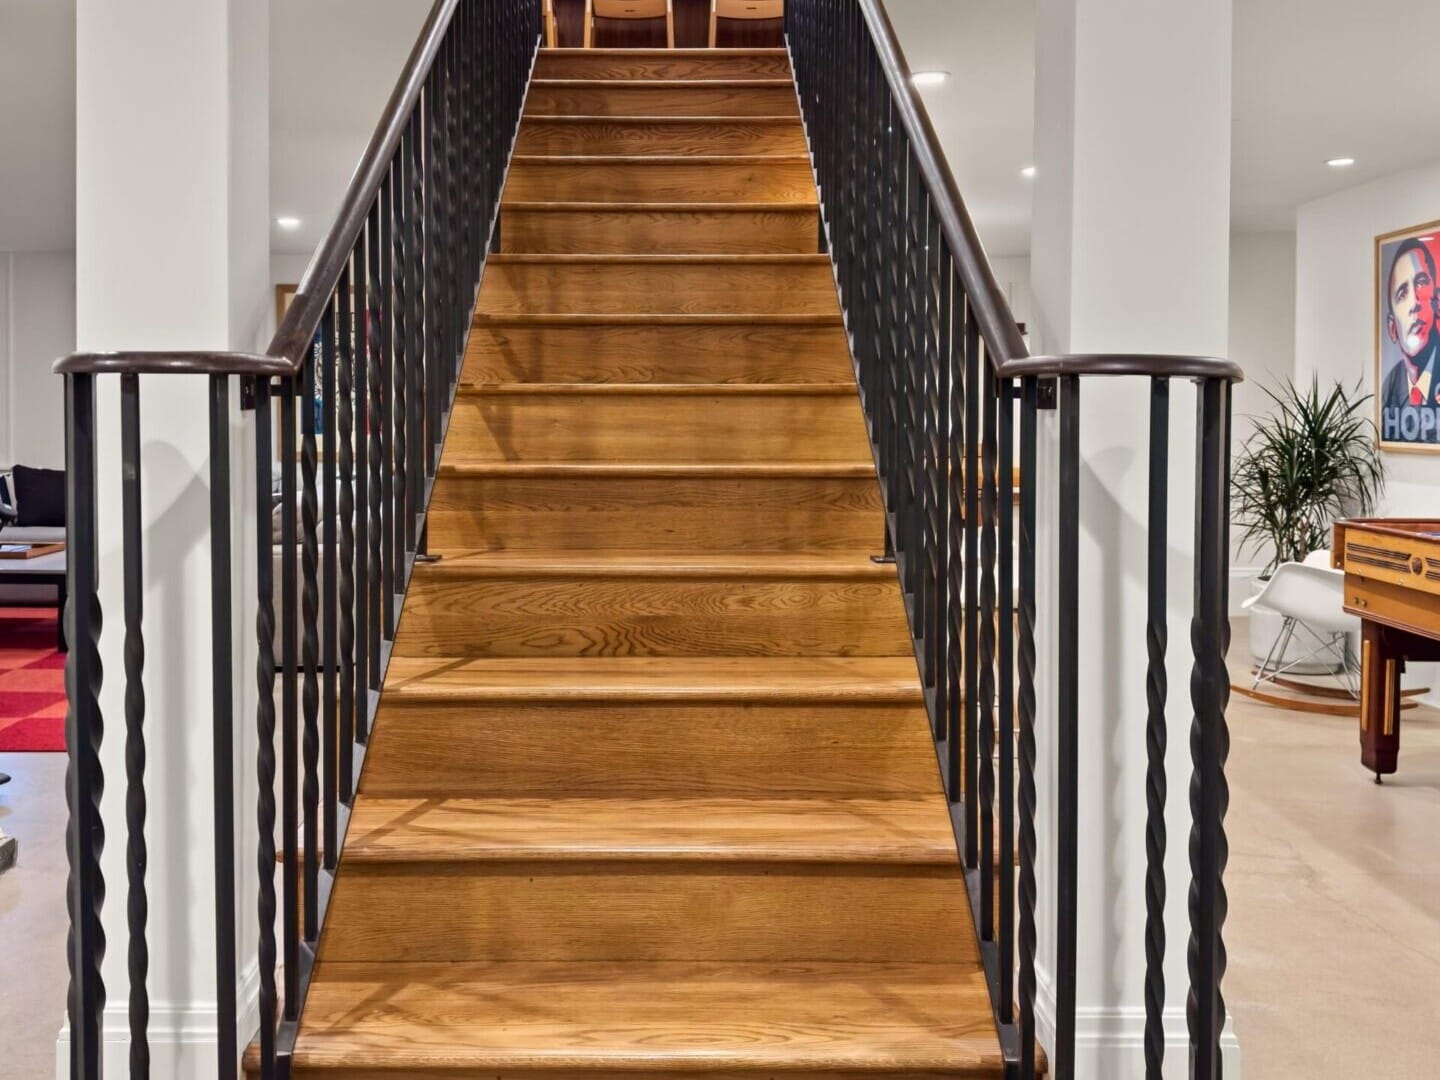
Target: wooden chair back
[549,24]
[743,10]
[629,9]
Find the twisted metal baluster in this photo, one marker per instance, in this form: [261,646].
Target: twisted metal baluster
[310,652]
[1156,692]
[985,706]
[265,726]
[1209,736]
[376,418]
[1025,651]
[84,732]
[404,356]
[136,853]
[345,556]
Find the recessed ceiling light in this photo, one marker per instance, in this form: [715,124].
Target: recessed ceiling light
[288,223]
[1340,162]
[929,78]
[1028,172]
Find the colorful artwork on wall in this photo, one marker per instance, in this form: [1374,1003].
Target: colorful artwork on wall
[1407,339]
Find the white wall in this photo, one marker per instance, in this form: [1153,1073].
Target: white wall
[1262,341]
[1013,275]
[37,327]
[1335,319]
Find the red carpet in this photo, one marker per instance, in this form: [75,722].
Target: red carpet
[32,681]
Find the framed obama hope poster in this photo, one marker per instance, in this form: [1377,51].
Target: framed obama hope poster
[1407,345]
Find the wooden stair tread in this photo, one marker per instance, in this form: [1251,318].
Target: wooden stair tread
[781,566]
[664,84]
[600,118]
[659,260]
[774,206]
[510,389]
[866,679]
[668,54]
[606,830]
[658,159]
[558,318]
[629,1019]
[673,470]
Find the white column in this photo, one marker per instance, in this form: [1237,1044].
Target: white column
[1130,253]
[172,252]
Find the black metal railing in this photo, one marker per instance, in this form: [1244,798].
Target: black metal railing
[368,355]
[944,376]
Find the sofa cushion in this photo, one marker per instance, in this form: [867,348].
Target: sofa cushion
[39,534]
[39,496]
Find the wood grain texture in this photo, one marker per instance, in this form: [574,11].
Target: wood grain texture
[659,424]
[650,177]
[659,285]
[660,228]
[830,1021]
[661,135]
[651,611]
[648,910]
[666,64]
[588,508]
[729,98]
[715,349]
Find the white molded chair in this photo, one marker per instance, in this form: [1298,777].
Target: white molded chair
[1309,597]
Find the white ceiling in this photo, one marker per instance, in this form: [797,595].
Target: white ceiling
[1312,81]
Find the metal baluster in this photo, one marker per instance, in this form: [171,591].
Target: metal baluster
[345,554]
[377,455]
[1004,567]
[289,703]
[392,289]
[84,732]
[404,357]
[970,664]
[1026,651]
[1067,724]
[985,677]
[366,658]
[329,659]
[955,725]
[136,854]
[1156,691]
[265,724]
[1209,737]
[419,353]
[310,653]
[222,662]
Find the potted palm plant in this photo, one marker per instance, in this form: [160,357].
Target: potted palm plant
[1310,460]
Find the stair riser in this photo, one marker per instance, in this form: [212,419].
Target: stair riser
[659,232]
[540,135]
[602,64]
[657,428]
[715,353]
[599,99]
[554,180]
[597,911]
[648,748]
[658,288]
[659,616]
[655,514]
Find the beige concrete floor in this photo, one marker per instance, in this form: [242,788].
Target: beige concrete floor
[33,974]
[1334,885]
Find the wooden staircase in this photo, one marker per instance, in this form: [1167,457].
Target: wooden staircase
[651,789]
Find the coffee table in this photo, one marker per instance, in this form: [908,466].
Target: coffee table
[41,570]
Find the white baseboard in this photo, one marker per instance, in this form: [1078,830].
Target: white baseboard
[1110,1040]
[183,1038]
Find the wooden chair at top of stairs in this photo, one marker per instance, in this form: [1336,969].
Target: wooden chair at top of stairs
[743,10]
[630,9]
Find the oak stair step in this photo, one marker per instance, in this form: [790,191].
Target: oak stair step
[681,878]
[649,726]
[650,178]
[655,507]
[661,97]
[660,228]
[662,64]
[525,347]
[582,604]
[782,135]
[624,1021]
[657,423]
[658,284]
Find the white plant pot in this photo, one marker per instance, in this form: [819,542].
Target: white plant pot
[1266,626]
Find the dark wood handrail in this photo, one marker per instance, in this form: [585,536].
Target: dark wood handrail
[1176,367]
[291,344]
[1003,342]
